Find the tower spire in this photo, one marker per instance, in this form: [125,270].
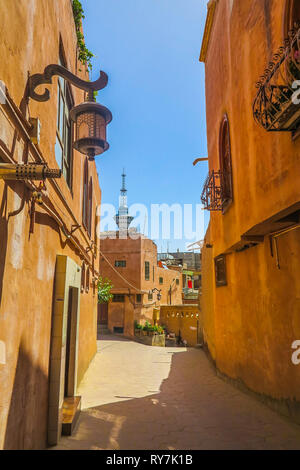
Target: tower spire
[123,189]
[123,219]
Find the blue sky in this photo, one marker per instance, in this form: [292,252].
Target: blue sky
[150,50]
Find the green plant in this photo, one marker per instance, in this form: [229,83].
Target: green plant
[153,328]
[158,329]
[147,326]
[137,326]
[104,290]
[85,55]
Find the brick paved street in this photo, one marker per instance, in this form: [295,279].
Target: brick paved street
[138,397]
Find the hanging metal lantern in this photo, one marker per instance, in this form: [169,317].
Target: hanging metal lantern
[90,119]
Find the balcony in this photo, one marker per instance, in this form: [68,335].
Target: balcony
[217,191]
[276,107]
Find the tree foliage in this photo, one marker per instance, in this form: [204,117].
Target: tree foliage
[104,290]
[85,55]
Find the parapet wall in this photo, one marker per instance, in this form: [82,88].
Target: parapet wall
[183,319]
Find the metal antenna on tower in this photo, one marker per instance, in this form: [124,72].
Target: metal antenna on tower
[124,190]
[123,219]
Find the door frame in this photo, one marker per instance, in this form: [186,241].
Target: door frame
[67,276]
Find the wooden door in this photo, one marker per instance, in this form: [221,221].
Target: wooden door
[103,314]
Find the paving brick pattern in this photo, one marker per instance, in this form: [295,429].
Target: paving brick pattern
[140,397]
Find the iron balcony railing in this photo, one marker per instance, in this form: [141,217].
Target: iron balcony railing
[276,106]
[211,196]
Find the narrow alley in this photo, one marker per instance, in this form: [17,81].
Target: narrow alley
[138,397]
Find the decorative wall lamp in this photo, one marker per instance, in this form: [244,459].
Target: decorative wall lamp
[90,118]
[158,293]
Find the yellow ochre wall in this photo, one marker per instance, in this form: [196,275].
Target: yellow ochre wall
[250,324]
[185,319]
[29,41]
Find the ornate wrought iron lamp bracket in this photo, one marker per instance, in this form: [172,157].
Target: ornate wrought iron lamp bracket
[51,70]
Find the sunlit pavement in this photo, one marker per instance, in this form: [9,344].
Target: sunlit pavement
[142,397]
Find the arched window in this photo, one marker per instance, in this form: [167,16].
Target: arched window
[64,127]
[225,163]
[82,278]
[97,229]
[292,15]
[85,214]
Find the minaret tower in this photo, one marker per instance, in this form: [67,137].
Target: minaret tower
[123,219]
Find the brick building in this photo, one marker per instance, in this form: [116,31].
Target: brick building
[131,264]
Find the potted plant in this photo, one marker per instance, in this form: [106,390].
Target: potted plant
[147,328]
[137,328]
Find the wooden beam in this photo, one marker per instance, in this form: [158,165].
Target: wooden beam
[253,238]
[211,8]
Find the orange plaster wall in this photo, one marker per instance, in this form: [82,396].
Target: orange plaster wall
[136,253]
[250,324]
[183,318]
[29,39]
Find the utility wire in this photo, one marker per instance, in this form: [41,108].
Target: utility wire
[120,275]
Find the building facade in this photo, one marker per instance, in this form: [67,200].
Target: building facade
[131,265]
[184,321]
[49,256]
[250,259]
[190,263]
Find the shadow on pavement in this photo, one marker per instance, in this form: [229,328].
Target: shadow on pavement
[193,410]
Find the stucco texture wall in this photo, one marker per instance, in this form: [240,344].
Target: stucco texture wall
[185,319]
[29,38]
[131,280]
[250,324]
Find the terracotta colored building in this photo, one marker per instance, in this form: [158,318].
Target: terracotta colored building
[131,264]
[49,256]
[190,263]
[250,260]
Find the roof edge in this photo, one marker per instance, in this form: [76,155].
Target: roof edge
[211,9]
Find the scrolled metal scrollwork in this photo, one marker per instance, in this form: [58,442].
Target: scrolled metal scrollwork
[273,107]
[53,69]
[212,194]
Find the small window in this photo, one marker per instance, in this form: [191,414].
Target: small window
[90,207]
[118,298]
[120,264]
[147,270]
[85,200]
[87,283]
[220,270]
[119,330]
[161,280]
[150,296]
[64,127]
[177,282]
[83,278]
[292,16]
[139,298]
